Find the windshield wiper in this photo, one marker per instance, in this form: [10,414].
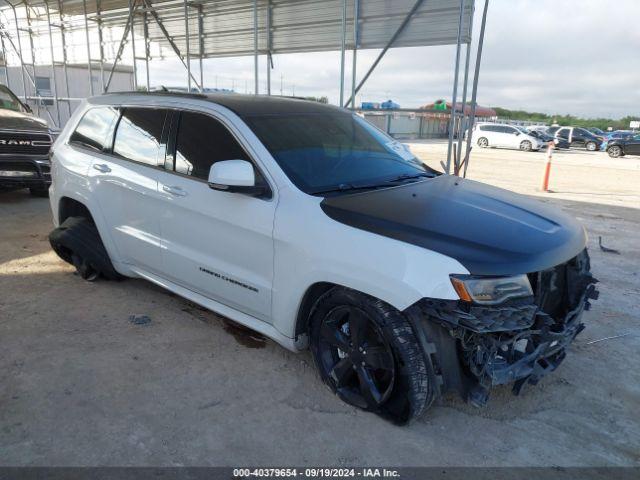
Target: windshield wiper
[409,176]
[346,187]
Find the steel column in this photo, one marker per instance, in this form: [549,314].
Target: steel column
[474,89]
[400,29]
[145,21]
[33,56]
[269,57]
[342,50]
[186,29]
[24,82]
[132,7]
[64,55]
[86,32]
[455,89]
[356,14]
[201,45]
[4,56]
[53,67]
[462,125]
[255,46]
[100,42]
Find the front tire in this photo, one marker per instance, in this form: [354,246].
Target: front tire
[483,142]
[591,146]
[526,146]
[368,355]
[615,151]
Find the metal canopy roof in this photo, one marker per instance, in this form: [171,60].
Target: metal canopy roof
[219,28]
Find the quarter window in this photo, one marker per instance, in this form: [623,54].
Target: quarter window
[201,142]
[139,136]
[94,129]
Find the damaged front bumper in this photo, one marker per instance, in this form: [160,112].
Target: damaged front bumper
[473,348]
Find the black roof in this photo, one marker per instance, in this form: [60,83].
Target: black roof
[248,105]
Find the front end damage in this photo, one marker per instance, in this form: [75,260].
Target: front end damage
[475,347]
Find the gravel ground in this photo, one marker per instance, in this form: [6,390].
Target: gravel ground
[82,385]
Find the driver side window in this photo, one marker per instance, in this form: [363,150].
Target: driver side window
[202,141]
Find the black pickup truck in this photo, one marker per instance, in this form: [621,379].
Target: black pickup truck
[25,141]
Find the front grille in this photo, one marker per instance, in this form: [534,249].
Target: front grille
[23,143]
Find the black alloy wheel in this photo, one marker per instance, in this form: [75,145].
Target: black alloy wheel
[356,357]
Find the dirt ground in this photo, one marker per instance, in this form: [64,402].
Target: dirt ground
[82,385]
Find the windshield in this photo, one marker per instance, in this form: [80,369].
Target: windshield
[334,151]
[9,101]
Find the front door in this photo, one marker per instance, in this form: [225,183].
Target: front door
[216,243]
[125,182]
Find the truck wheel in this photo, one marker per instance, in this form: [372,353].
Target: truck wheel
[483,142]
[367,353]
[591,146]
[526,146]
[39,191]
[78,242]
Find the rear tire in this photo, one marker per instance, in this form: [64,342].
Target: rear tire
[591,146]
[39,191]
[483,142]
[78,242]
[615,151]
[392,379]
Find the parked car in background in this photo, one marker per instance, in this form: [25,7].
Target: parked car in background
[504,136]
[619,135]
[577,137]
[25,141]
[629,145]
[545,138]
[597,131]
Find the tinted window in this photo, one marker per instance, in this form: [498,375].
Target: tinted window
[139,136]
[563,133]
[323,152]
[510,130]
[201,142]
[94,130]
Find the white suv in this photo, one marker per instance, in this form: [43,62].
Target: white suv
[506,136]
[304,222]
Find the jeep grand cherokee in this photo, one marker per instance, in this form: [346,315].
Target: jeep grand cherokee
[304,222]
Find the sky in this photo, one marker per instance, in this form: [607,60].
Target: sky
[580,57]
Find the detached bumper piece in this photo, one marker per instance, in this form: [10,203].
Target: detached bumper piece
[478,347]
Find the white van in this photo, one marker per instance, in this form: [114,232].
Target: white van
[504,136]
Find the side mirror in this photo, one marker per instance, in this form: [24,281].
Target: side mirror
[235,176]
[517,134]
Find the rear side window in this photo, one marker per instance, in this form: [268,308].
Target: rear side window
[139,136]
[94,129]
[201,142]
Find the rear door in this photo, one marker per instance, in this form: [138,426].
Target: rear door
[218,244]
[125,182]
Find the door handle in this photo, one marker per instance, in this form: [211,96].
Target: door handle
[176,191]
[101,167]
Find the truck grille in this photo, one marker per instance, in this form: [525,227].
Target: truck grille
[24,143]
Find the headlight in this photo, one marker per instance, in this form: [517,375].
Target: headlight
[491,290]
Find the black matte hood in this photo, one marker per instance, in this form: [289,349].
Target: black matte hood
[12,120]
[488,230]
